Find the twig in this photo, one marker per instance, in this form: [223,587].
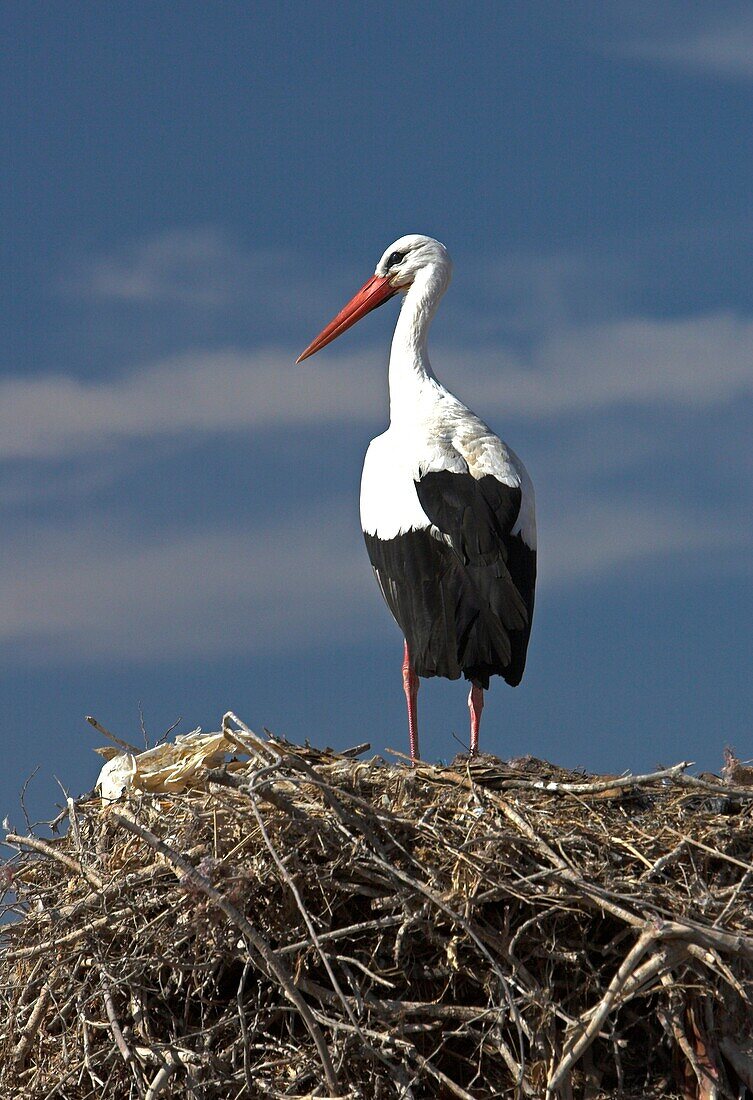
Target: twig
[348,932]
[115,1027]
[356,750]
[51,851]
[597,787]
[272,961]
[600,1013]
[23,1045]
[485,937]
[48,946]
[379,857]
[715,788]
[22,798]
[664,861]
[158,1082]
[112,737]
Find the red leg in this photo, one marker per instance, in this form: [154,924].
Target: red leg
[475,706]
[410,685]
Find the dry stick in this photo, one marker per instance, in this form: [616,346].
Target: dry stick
[660,960]
[369,973]
[714,788]
[21,1048]
[408,1049]
[295,891]
[262,776]
[138,878]
[599,1014]
[684,928]
[117,1032]
[738,889]
[717,854]
[74,824]
[355,750]
[70,937]
[258,747]
[275,964]
[251,744]
[432,774]
[433,1010]
[111,736]
[736,943]
[49,850]
[710,958]
[395,872]
[343,933]
[242,1021]
[662,862]
[259,778]
[159,1081]
[672,1024]
[601,785]
[449,1084]
[170,1056]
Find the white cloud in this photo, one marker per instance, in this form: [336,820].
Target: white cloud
[202,269]
[597,538]
[104,591]
[194,267]
[695,362]
[199,392]
[96,593]
[721,48]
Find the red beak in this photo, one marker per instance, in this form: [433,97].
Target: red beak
[372,294]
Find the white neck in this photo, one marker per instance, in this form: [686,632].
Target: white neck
[410,370]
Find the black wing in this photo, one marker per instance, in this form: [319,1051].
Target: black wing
[476,517]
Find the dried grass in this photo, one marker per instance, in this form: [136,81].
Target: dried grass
[306,924]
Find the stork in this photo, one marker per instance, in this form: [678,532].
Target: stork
[447,509]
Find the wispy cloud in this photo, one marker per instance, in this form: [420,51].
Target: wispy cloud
[193,267]
[198,268]
[199,392]
[693,362]
[689,363]
[722,47]
[597,538]
[97,592]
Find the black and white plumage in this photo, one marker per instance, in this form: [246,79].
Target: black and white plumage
[447,509]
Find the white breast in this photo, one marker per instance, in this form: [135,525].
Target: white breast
[389,503]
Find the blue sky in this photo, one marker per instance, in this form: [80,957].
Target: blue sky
[191,191]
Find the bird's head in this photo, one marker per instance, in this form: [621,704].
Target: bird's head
[403,260]
[395,273]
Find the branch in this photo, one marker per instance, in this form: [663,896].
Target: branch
[273,962]
[50,850]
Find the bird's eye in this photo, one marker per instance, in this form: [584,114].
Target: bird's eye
[395,259]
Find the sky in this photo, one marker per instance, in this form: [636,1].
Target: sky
[190,192]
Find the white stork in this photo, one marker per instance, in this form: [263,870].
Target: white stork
[447,509]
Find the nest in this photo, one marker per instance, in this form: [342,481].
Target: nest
[295,923]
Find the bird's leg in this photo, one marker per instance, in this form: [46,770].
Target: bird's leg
[475,706]
[410,686]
